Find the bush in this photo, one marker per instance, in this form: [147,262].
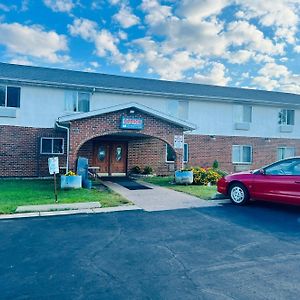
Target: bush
[215,164]
[203,176]
[148,170]
[136,170]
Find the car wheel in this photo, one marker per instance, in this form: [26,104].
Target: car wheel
[238,194]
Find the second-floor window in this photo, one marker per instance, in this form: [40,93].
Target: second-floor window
[243,113]
[178,109]
[287,117]
[77,101]
[10,96]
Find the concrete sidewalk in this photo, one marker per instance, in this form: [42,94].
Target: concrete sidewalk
[159,198]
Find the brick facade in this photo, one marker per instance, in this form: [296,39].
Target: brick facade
[20,147]
[20,151]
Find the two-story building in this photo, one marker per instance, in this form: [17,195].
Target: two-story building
[121,122]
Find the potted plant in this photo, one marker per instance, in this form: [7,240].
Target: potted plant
[184,177]
[71,181]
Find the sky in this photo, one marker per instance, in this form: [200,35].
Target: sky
[238,43]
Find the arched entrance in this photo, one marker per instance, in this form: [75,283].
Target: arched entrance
[118,153]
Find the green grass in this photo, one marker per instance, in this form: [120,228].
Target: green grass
[201,191]
[16,192]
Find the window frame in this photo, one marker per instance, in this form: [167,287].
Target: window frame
[77,101]
[5,100]
[285,147]
[282,110]
[241,152]
[52,145]
[173,161]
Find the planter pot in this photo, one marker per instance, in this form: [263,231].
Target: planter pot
[184,177]
[70,182]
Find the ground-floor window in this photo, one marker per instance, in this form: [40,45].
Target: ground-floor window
[170,153]
[285,152]
[242,154]
[52,145]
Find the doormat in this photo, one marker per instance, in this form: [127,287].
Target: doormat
[126,183]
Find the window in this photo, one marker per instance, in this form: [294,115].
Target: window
[285,152]
[243,113]
[52,145]
[287,117]
[178,108]
[10,96]
[242,154]
[77,101]
[170,153]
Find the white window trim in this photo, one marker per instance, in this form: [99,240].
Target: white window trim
[285,147]
[287,109]
[172,161]
[188,152]
[239,162]
[52,138]
[77,102]
[5,101]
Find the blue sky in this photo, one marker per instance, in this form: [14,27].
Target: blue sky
[240,43]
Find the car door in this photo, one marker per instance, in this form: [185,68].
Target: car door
[280,182]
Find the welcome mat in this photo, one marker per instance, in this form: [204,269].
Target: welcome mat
[126,183]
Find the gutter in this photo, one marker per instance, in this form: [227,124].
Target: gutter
[68,142]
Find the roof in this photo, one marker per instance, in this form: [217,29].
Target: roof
[150,111]
[123,84]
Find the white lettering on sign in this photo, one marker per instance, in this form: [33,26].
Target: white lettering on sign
[178,141]
[53,165]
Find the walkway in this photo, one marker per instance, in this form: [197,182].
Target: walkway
[158,198]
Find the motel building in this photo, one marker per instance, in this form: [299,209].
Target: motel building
[121,122]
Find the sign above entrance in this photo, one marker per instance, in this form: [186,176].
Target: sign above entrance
[132,123]
[178,141]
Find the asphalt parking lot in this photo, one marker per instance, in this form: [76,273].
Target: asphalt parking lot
[222,252]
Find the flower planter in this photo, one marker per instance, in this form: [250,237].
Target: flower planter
[70,182]
[184,177]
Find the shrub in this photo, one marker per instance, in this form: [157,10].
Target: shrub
[215,164]
[147,170]
[203,176]
[136,170]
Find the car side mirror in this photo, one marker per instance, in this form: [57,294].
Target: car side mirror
[262,172]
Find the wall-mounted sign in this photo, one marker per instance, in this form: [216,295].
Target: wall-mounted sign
[53,165]
[132,123]
[178,141]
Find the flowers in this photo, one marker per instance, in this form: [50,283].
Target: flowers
[71,173]
[204,176]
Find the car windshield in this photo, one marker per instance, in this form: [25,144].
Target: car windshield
[286,167]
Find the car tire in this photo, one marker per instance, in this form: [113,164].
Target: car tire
[239,194]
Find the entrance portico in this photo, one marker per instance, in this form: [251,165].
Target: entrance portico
[117,138]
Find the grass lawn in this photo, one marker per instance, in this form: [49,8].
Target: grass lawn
[201,191]
[16,192]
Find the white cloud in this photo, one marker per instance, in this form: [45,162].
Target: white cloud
[297,49]
[106,44]
[216,75]
[273,70]
[60,5]
[240,56]
[126,18]
[7,8]
[21,61]
[33,41]
[265,83]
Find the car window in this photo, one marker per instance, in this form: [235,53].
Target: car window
[286,167]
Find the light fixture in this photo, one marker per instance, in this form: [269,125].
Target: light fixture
[131,111]
[212,137]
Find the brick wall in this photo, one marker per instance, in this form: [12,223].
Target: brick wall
[203,150]
[20,151]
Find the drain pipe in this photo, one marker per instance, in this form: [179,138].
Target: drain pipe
[68,142]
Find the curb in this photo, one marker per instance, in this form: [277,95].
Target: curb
[70,212]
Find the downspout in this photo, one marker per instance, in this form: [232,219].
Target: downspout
[68,142]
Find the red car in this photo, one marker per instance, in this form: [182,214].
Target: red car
[278,182]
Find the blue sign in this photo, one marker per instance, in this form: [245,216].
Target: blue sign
[132,123]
